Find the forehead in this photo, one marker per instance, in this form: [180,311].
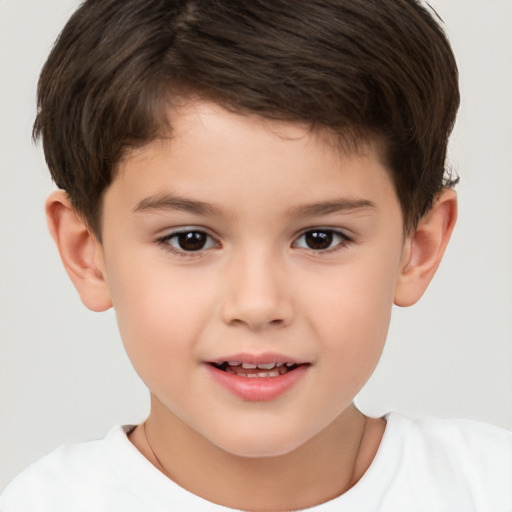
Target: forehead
[213,154]
[189,115]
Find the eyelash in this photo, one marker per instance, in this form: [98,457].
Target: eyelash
[329,235]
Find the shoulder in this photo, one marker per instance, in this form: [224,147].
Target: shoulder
[110,475]
[67,477]
[459,440]
[462,460]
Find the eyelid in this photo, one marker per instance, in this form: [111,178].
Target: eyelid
[168,232]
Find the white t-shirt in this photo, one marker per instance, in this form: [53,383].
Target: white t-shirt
[426,465]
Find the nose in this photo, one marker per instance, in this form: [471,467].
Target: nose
[258,294]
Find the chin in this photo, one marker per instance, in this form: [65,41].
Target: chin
[261,443]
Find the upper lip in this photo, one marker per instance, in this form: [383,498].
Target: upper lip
[266,358]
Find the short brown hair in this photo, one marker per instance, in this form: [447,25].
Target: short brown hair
[363,68]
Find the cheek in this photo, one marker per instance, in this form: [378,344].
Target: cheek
[352,314]
[159,314]
[354,300]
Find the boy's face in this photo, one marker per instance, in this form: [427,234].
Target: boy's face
[251,241]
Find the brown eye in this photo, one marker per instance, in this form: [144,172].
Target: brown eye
[190,241]
[193,241]
[320,239]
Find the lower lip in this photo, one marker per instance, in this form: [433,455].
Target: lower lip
[258,389]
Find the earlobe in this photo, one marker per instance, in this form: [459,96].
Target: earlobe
[80,251]
[424,249]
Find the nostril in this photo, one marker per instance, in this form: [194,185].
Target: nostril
[253,321]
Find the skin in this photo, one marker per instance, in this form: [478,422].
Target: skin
[257,286]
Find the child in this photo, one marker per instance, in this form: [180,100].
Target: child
[252,185]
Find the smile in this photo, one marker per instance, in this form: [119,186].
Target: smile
[254,379]
[249,370]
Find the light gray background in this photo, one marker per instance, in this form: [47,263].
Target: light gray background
[63,373]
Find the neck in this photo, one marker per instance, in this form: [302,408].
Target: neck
[266,483]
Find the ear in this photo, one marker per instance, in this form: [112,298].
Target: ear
[424,249]
[80,251]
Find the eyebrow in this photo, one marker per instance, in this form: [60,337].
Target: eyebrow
[334,206]
[168,201]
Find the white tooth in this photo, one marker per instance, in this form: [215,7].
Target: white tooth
[279,365]
[267,366]
[263,374]
[249,366]
[250,375]
[274,373]
[233,363]
[290,364]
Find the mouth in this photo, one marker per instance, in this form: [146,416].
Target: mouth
[262,377]
[260,370]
